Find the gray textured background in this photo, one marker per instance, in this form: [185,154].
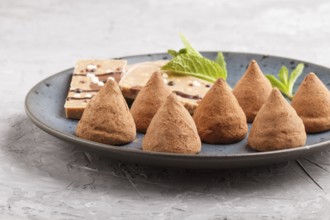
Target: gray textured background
[42,177]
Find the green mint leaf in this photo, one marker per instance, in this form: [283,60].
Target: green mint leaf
[196,66]
[220,59]
[173,53]
[188,61]
[286,81]
[182,51]
[278,84]
[283,75]
[294,76]
[189,48]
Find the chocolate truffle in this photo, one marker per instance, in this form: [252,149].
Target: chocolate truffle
[219,117]
[148,101]
[276,126]
[252,90]
[172,130]
[312,103]
[107,118]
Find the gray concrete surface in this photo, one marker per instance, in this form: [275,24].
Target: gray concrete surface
[42,177]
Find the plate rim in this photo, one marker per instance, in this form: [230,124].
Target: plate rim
[112,148]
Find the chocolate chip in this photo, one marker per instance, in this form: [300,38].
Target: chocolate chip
[90,70]
[171,83]
[78,90]
[82,81]
[207,85]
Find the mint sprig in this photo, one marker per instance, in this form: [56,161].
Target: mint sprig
[220,59]
[286,81]
[188,61]
[199,67]
[188,47]
[174,53]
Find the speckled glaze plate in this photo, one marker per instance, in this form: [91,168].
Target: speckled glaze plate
[44,105]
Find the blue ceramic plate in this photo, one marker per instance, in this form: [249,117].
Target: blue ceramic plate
[44,105]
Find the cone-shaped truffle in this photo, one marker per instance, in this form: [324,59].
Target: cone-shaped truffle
[312,103]
[219,117]
[172,130]
[252,90]
[276,126]
[107,118]
[148,101]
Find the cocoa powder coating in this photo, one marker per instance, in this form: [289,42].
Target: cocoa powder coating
[219,117]
[107,118]
[148,101]
[312,103]
[172,130]
[252,90]
[276,126]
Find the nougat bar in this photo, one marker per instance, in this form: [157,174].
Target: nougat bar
[189,90]
[87,79]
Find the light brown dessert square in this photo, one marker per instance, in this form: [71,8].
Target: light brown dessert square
[87,79]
